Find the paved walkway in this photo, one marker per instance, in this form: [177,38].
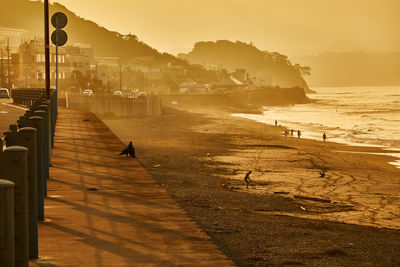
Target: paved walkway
[106,210]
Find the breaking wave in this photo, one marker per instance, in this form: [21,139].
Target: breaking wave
[351,115]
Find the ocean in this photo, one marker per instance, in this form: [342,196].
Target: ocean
[363,116]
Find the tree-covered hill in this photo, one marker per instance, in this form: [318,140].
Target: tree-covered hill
[271,67]
[25,14]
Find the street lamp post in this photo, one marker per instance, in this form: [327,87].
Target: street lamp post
[1,67]
[8,65]
[47,47]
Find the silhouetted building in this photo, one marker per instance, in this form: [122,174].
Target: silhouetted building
[31,65]
[240,75]
[13,37]
[108,71]
[229,83]
[10,40]
[190,86]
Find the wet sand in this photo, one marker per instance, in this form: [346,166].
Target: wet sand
[289,215]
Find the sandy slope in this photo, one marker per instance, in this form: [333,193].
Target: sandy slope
[203,159]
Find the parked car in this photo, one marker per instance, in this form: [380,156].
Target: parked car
[4,93]
[142,94]
[118,93]
[87,92]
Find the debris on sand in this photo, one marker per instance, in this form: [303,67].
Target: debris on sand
[313,199]
[281,193]
[335,252]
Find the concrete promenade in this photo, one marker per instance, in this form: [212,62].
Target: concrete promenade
[106,210]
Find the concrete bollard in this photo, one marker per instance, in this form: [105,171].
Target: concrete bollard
[45,142]
[13,166]
[47,107]
[29,136]
[46,117]
[54,111]
[37,123]
[26,137]
[7,242]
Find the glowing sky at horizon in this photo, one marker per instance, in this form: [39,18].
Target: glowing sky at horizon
[290,26]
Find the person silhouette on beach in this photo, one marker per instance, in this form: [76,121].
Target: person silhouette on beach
[276,123]
[247,179]
[298,133]
[286,133]
[324,136]
[128,151]
[291,132]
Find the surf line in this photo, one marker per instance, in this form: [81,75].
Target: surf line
[11,105]
[396,163]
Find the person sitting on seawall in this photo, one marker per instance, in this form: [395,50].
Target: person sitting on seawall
[128,151]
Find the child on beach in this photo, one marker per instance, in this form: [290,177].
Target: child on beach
[324,136]
[298,133]
[247,179]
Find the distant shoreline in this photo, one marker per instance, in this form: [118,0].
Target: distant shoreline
[313,87]
[376,149]
[249,101]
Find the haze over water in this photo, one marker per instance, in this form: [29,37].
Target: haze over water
[353,115]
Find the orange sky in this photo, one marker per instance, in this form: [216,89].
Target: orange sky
[294,27]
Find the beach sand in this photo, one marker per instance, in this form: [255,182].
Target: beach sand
[289,215]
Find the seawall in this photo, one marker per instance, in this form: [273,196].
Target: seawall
[243,99]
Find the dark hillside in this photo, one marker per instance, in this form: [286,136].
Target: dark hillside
[24,14]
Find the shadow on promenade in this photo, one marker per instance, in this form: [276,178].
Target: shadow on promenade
[105,210]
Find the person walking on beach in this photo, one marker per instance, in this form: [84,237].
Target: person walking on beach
[298,133]
[247,179]
[276,123]
[286,133]
[291,132]
[324,136]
